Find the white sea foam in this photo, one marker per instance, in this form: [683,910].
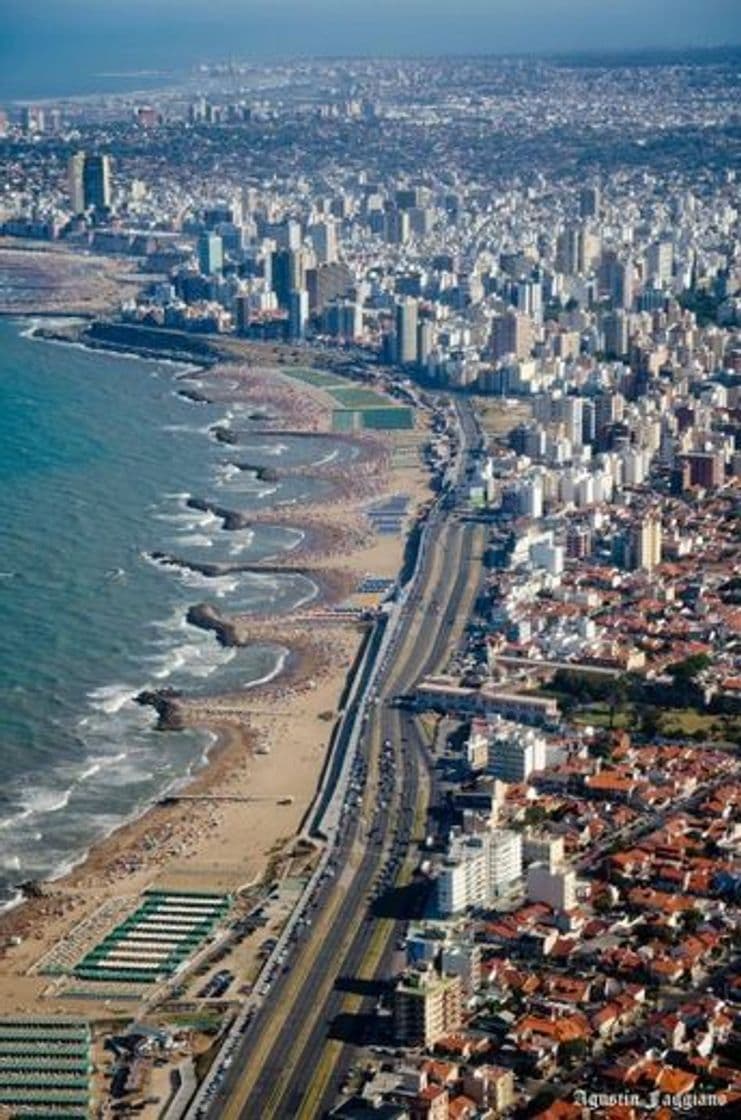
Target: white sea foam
[190,519]
[130,775]
[227,471]
[269,676]
[175,623]
[196,540]
[42,801]
[219,586]
[89,772]
[309,596]
[194,659]
[30,330]
[12,902]
[191,429]
[66,866]
[330,458]
[269,448]
[100,762]
[299,535]
[110,698]
[240,541]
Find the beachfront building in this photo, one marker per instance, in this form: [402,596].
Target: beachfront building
[427,1006]
[515,753]
[478,869]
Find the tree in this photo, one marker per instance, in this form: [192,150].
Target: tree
[692,920]
[685,672]
[650,721]
[618,698]
[602,904]
[535,814]
[568,705]
[573,1051]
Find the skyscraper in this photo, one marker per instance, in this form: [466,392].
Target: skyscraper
[288,273]
[210,254]
[406,332]
[616,280]
[96,178]
[589,202]
[89,181]
[615,330]
[646,544]
[324,239]
[427,1006]
[511,333]
[290,234]
[75,177]
[398,227]
[298,313]
[569,250]
[425,341]
[660,263]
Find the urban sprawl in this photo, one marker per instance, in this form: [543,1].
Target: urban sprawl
[542,260]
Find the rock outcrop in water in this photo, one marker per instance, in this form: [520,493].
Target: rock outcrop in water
[262,474]
[224,435]
[32,888]
[165,703]
[232,519]
[207,618]
[194,396]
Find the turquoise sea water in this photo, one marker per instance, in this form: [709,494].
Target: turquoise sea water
[98,455]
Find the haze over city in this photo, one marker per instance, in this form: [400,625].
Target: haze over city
[48,45]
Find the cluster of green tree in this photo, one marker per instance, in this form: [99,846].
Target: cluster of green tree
[686,672]
[586,687]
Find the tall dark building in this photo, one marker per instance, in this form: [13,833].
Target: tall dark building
[96,183]
[89,180]
[589,202]
[288,274]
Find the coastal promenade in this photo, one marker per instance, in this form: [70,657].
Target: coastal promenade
[286,1065]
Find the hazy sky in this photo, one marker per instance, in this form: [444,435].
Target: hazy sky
[48,38]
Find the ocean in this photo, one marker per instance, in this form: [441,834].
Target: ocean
[98,456]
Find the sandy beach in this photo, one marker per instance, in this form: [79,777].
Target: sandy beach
[272,739]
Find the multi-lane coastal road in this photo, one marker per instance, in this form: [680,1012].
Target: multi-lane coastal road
[293,1054]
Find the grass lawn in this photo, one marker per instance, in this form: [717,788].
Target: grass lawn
[686,721]
[313,377]
[674,723]
[359,398]
[598,715]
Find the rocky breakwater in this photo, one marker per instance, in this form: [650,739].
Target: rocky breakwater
[194,396]
[232,520]
[206,617]
[213,571]
[262,474]
[225,435]
[165,702]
